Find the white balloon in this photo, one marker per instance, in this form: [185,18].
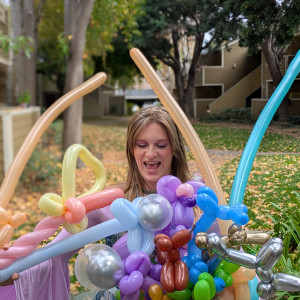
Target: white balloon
[99,267]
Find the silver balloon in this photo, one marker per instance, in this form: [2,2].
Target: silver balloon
[264,275]
[269,253]
[265,290]
[216,244]
[286,282]
[99,267]
[154,212]
[241,258]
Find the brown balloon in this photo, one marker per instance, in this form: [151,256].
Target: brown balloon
[161,256]
[181,275]
[181,238]
[173,255]
[160,236]
[167,277]
[164,244]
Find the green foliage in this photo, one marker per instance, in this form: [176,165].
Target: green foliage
[277,20]
[287,227]
[20,43]
[24,98]
[183,34]
[117,63]
[293,120]
[42,168]
[232,138]
[240,115]
[110,18]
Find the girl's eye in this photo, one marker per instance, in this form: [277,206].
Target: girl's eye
[141,145]
[161,146]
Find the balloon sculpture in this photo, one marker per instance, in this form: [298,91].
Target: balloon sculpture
[166,253]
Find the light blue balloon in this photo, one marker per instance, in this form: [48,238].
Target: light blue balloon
[262,123]
[252,284]
[68,244]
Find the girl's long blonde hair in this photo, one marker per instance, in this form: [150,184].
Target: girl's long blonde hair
[179,168]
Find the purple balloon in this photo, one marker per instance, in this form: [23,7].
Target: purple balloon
[182,215]
[166,186]
[131,283]
[138,261]
[155,271]
[121,246]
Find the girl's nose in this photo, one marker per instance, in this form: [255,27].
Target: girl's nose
[151,153]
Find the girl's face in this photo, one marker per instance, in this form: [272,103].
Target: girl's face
[153,154]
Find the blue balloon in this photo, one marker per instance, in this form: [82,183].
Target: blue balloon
[219,283]
[262,123]
[194,275]
[201,266]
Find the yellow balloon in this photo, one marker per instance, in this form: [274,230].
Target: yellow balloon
[52,204]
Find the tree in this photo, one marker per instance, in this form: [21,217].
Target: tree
[118,64]
[270,25]
[53,46]
[25,19]
[108,17]
[180,32]
[76,19]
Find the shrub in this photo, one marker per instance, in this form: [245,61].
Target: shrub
[232,114]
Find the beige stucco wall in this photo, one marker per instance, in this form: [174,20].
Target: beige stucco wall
[15,124]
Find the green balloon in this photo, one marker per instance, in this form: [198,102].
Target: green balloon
[229,267]
[228,280]
[220,273]
[202,290]
[212,286]
[118,295]
[181,295]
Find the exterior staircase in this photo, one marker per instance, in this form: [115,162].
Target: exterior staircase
[237,94]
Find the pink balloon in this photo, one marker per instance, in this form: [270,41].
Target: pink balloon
[185,189]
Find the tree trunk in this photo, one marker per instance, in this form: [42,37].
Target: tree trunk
[76,19]
[273,62]
[25,23]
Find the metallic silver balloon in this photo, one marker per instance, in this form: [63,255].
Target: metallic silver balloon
[216,244]
[286,282]
[241,258]
[99,267]
[265,290]
[269,253]
[154,212]
[264,275]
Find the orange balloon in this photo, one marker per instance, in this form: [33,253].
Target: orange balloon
[243,275]
[155,292]
[226,294]
[242,291]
